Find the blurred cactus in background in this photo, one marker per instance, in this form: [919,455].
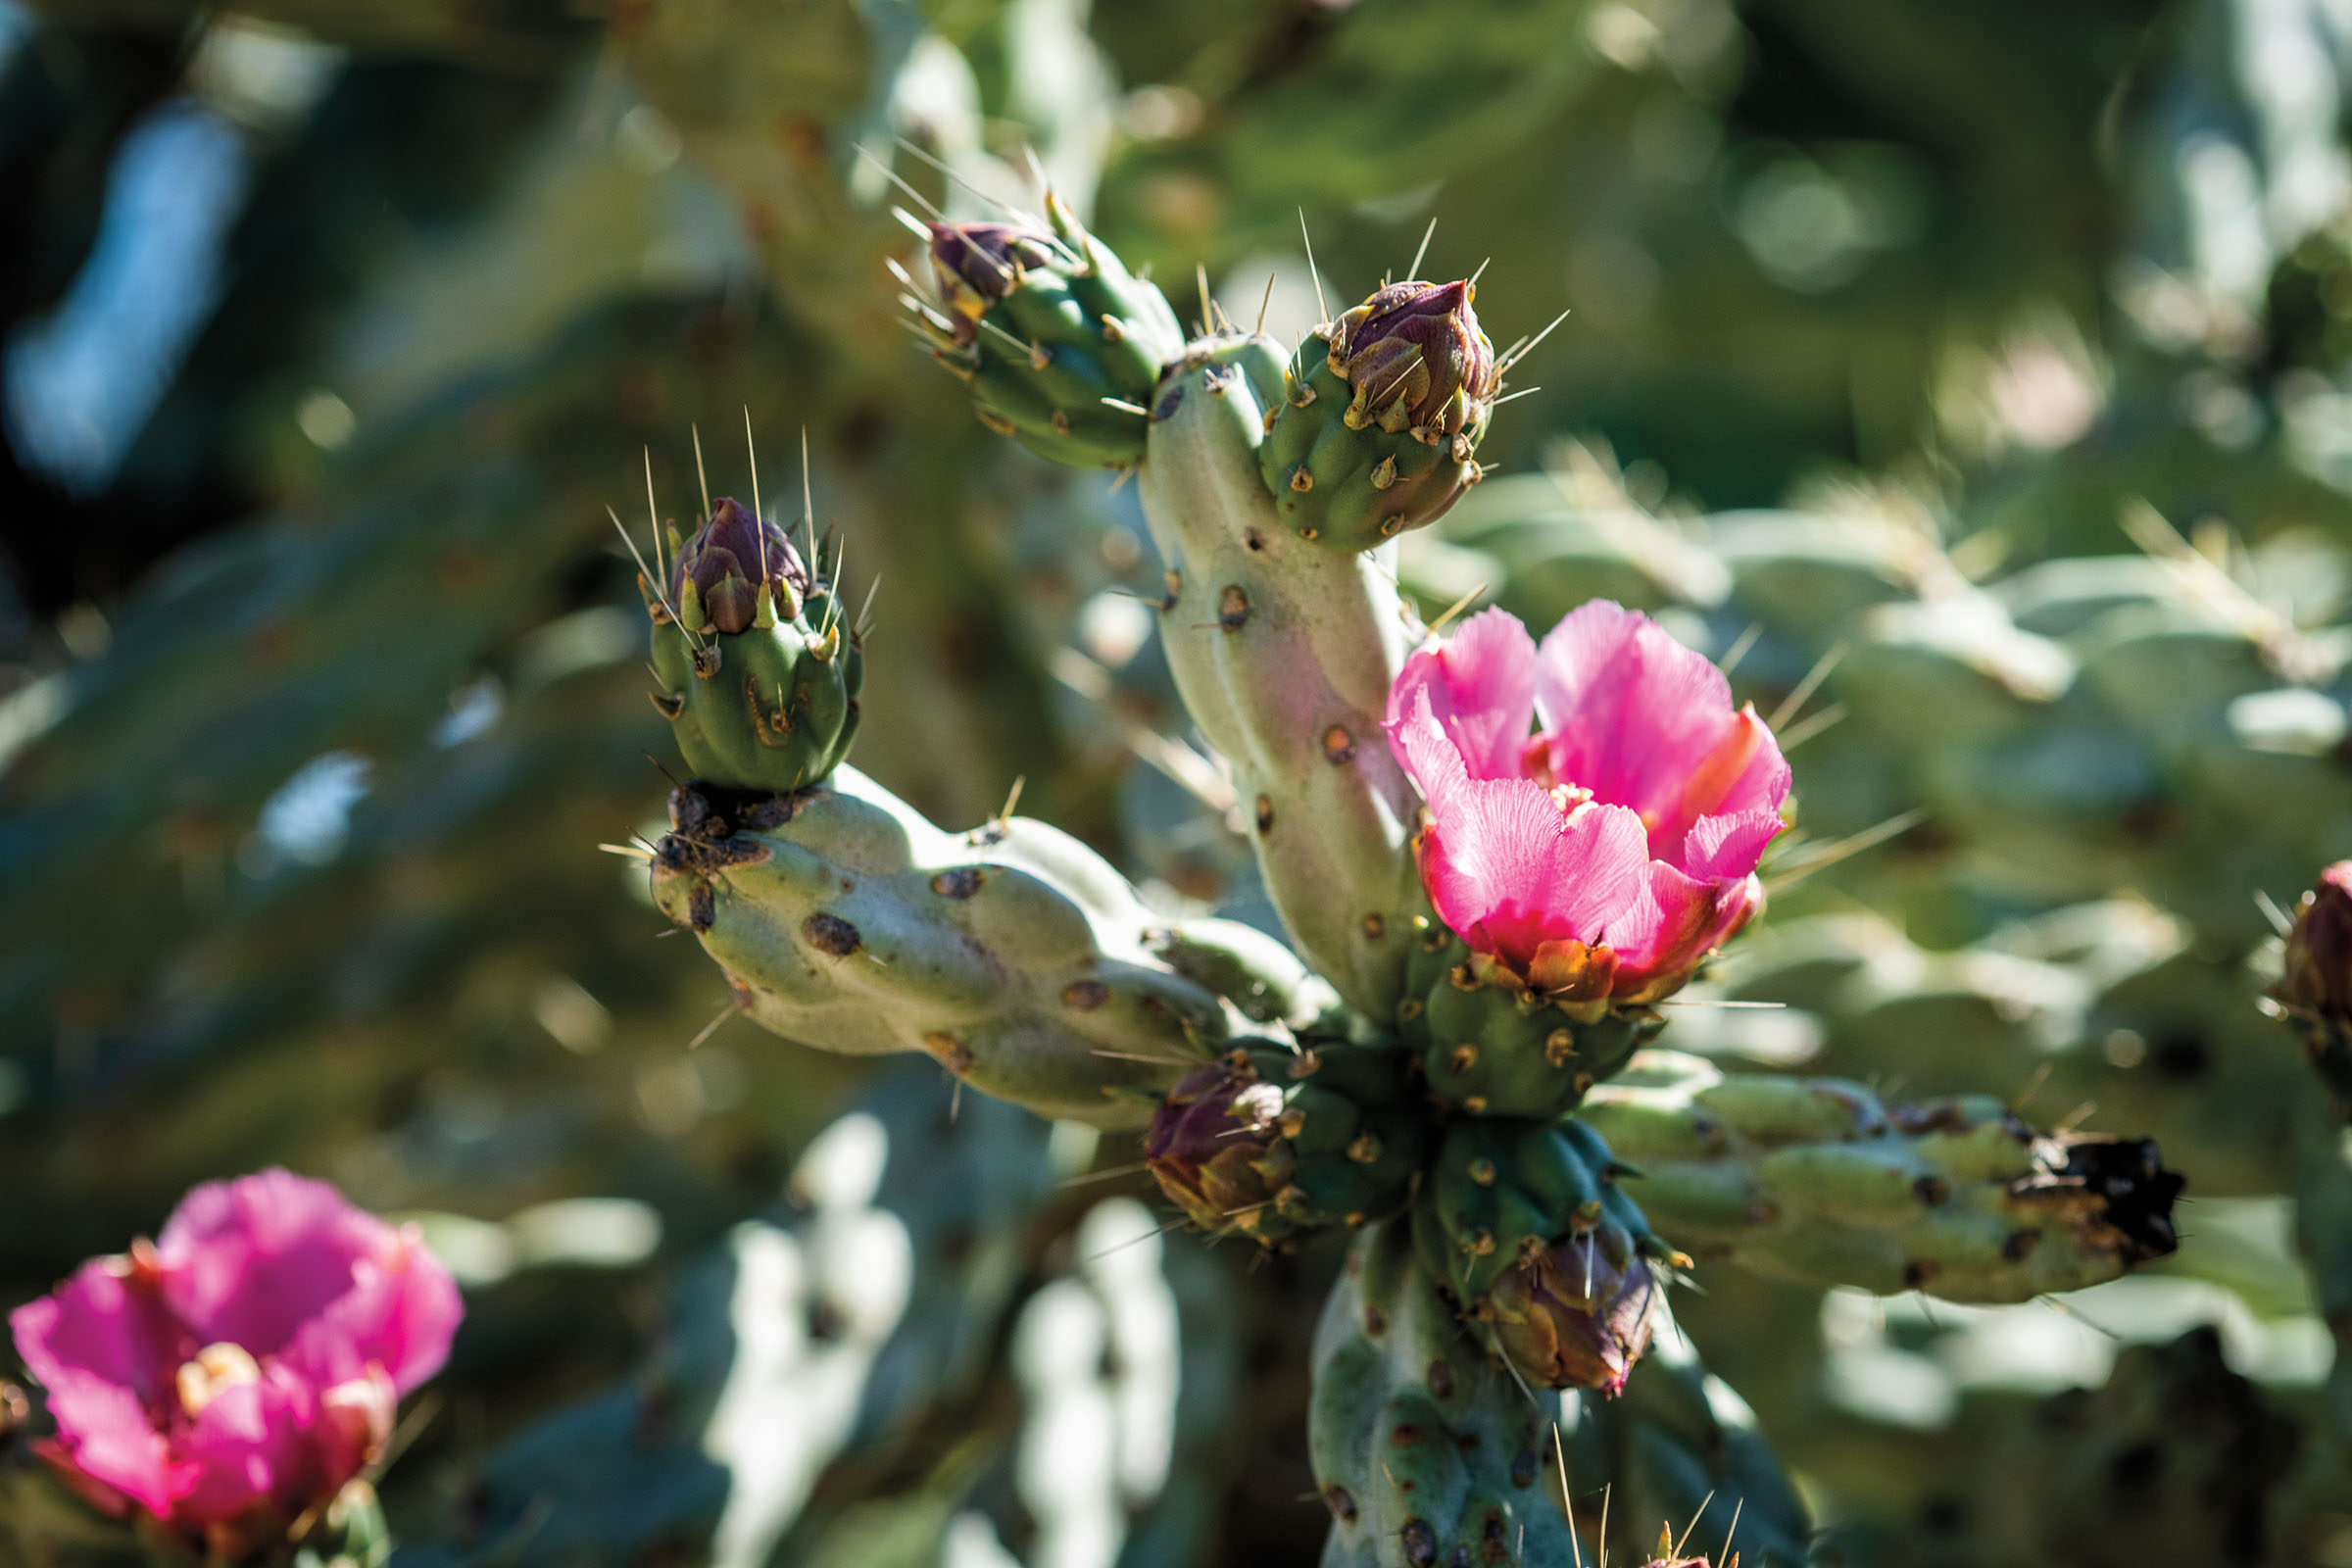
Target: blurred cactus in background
[1968,424]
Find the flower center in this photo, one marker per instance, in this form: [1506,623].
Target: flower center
[1571,799]
[215,1369]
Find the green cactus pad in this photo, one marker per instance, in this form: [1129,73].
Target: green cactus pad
[1049,331]
[1277,1142]
[1499,1050]
[1012,954]
[1349,487]
[1815,1180]
[1424,1452]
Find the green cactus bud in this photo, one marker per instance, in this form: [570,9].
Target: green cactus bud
[760,673]
[2314,988]
[1276,1143]
[1495,1047]
[1525,1223]
[1012,955]
[1381,416]
[1060,345]
[1425,1452]
[1815,1180]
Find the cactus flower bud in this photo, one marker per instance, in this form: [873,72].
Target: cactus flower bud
[979,264]
[2318,949]
[1273,1142]
[760,673]
[1588,866]
[233,1376]
[2315,989]
[1215,1146]
[1060,345]
[1576,1313]
[1414,359]
[1383,409]
[724,566]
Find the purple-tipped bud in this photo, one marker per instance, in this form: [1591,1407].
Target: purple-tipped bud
[1216,1144]
[1576,1313]
[720,574]
[2318,980]
[1416,360]
[978,263]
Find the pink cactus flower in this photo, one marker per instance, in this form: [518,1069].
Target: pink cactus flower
[237,1371]
[1603,855]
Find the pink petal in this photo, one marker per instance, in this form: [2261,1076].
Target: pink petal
[106,1435]
[1727,848]
[1643,721]
[250,1261]
[1507,867]
[398,1316]
[253,1447]
[108,1322]
[1480,684]
[1679,921]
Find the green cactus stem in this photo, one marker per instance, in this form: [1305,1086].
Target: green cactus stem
[1425,1452]
[1526,1225]
[1382,411]
[1495,1047]
[1012,954]
[1058,345]
[759,670]
[1277,1142]
[1283,654]
[1815,1180]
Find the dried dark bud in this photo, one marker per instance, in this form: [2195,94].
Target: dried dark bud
[1576,1313]
[1415,358]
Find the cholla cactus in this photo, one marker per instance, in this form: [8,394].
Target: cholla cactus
[1483,914]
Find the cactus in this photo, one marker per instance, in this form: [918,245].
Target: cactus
[1494,1047]
[759,668]
[1425,1454]
[1012,955]
[1816,1181]
[1527,1228]
[1059,347]
[1274,1143]
[1284,653]
[1381,413]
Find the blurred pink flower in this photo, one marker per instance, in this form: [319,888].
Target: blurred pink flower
[242,1367]
[1605,854]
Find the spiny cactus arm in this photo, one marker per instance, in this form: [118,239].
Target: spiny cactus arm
[1425,1451]
[1816,1181]
[1012,954]
[1284,653]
